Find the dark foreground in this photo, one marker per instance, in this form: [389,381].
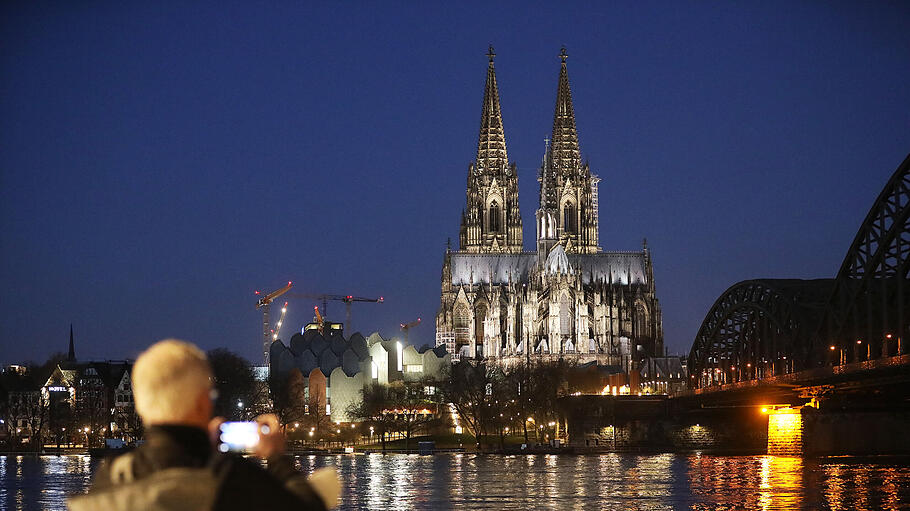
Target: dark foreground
[609,481]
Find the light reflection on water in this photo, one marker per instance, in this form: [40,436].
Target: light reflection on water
[608,481]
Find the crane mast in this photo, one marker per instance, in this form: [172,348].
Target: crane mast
[265,303]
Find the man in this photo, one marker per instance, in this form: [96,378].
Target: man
[178,467]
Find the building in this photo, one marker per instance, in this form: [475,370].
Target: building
[663,375]
[334,370]
[23,413]
[97,398]
[568,297]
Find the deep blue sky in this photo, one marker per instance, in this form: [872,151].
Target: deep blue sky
[160,163]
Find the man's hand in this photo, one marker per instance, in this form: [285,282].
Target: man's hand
[215,431]
[271,440]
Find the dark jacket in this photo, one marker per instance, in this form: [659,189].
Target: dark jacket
[237,483]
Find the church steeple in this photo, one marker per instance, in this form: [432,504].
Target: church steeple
[71,356]
[564,152]
[568,191]
[491,221]
[491,143]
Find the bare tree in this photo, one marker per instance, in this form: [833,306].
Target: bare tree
[470,388]
[373,411]
[235,385]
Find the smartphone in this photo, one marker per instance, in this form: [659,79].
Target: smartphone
[238,436]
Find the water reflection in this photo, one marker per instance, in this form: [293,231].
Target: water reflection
[608,481]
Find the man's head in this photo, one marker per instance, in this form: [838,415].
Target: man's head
[172,382]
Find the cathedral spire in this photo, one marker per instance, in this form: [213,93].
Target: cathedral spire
[491,144]
[564,150]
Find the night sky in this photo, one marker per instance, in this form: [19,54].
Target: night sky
[159,163]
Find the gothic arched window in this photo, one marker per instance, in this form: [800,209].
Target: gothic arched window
[568,218]
[495,217]
[462,324]
[565,316]
[642,324]
[480,314]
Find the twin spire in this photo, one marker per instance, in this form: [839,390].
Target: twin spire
[564,152]
[491,143]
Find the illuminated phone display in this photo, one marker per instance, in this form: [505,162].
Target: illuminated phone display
[238,436]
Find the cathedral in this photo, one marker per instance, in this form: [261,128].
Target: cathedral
[566,299]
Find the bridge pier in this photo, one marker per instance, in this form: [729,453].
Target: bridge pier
[785,432]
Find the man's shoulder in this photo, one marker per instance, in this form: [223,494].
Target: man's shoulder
[117,488]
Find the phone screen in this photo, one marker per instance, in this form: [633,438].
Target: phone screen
[238,436]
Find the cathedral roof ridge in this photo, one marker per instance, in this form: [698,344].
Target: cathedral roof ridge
[616,252]
[497,254]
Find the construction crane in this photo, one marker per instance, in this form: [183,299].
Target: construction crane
[265,303]
[319,320]
[347,299]
[405,327]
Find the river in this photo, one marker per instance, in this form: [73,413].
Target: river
[607,481]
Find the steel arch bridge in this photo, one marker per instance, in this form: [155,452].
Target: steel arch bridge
[762,328]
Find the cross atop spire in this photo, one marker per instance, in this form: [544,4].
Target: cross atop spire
[564,149]
[491,143]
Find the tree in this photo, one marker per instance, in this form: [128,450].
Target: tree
[235,385]
[470,388]
[411,408]
[316,418]
[373,411]
[90,410]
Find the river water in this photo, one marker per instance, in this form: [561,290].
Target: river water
[608,481]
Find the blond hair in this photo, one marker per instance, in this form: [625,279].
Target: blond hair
[168,379]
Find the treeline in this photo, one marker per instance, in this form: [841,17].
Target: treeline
[489,402]
[494,401]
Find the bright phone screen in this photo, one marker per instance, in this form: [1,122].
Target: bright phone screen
[238,436]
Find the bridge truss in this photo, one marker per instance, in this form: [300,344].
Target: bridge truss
[761,328]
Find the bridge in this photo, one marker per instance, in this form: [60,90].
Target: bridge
[785,366]
[827,344]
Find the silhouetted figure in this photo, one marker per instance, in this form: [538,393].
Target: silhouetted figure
[178,467]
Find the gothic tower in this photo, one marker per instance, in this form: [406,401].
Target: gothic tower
[491,222]
[568,191]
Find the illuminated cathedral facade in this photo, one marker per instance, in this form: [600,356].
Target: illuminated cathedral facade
[566,299]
